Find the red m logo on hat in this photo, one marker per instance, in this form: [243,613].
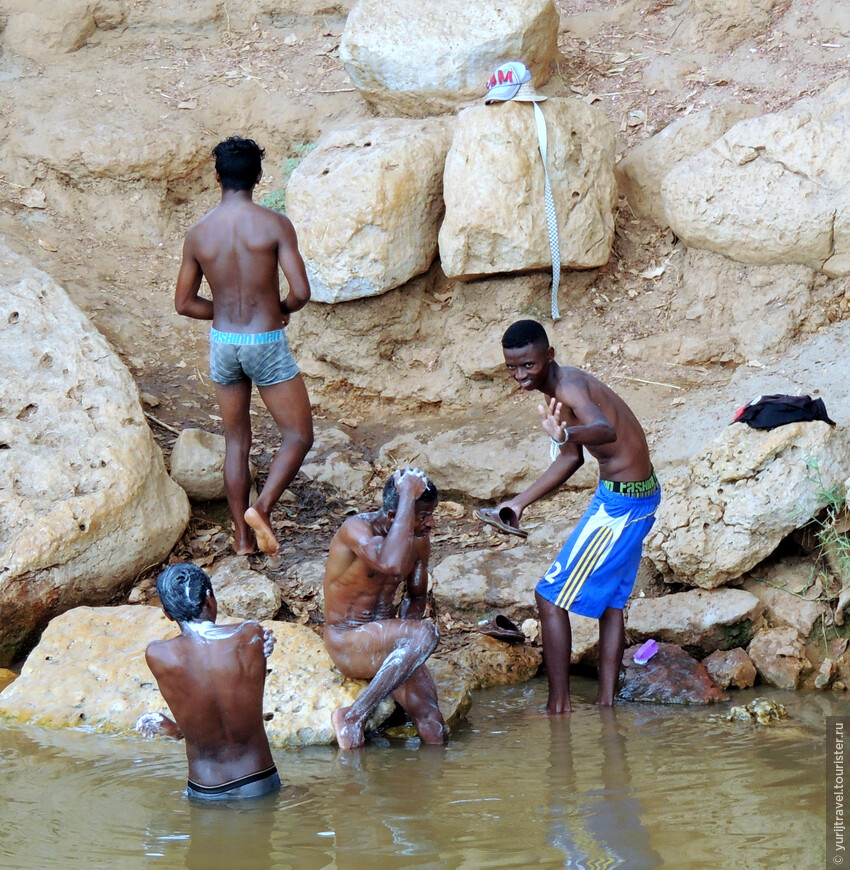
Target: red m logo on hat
[503,76]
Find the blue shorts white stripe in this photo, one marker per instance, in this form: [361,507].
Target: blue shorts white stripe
[597,566]
[263,357]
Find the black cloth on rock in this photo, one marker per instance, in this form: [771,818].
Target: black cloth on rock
[768,412]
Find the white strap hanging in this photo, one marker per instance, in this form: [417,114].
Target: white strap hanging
[551,216]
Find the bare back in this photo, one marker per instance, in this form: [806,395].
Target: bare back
[356,592]
[584,400]
[214,687]
[238,246]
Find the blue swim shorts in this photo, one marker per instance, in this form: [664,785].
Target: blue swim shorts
[598,565]
[263,357]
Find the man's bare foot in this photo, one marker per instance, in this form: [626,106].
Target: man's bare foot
[557,710]
[265,535]
[347,736]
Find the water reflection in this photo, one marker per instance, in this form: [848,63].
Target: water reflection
[603,828]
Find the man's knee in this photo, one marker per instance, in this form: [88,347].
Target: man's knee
[428,635]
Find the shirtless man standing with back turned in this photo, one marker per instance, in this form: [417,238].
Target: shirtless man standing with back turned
[238,247]
[595,571]
[212,678]
[370,555]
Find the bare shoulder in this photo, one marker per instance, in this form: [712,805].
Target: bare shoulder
[162,653]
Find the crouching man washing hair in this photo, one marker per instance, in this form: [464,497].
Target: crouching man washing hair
[212,678]
[370,556]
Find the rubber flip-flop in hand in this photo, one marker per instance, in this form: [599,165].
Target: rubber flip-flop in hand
[504,521]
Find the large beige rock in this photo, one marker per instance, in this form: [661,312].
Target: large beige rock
[780,657]
[641,171]
[493,188]
[700,621]
[733,503]
[816,366]
[89,669]
[473,583]
[366,205]
[243,593]
[197,464]
[712,320]
[484,460]
[85,501]
[41,29]
[774,189]
[790,593]
[419,59]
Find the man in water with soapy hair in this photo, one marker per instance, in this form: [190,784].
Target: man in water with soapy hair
[370,556]
[212,678]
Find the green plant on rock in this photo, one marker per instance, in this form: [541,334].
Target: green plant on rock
[276,199]
[833,525]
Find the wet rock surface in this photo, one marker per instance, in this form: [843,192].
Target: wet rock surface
[671,676]
[731,667]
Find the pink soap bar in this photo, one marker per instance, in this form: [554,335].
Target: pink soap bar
[646,652]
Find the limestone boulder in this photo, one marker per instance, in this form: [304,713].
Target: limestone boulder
[641,171]
[790,593]
[780,657]
[489,662]
[89,670]
[40,29]
[197,464]
[415,59]
[774,189]
[732,667]
[494,189]
[347,471]
[85,501]
[486,459]
[700,621]
[815,365]
[366,204]
[712,320]
[243,593]
[472,584]
[729,508]
[671,676]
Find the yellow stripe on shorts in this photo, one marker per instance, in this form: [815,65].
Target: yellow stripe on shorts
[589,559]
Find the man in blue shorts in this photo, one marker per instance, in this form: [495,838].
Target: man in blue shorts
[238,247]
[595,571]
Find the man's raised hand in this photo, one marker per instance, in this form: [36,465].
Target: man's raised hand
[550,419]
[411,481]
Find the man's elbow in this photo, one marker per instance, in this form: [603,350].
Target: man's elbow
[181,307]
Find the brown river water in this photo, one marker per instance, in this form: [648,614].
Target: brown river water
[647,786]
